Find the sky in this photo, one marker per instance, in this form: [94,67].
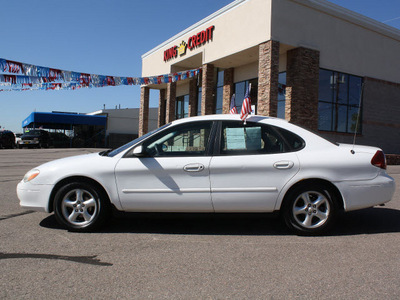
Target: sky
[106,37]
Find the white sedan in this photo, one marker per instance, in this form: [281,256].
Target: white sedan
[217,164]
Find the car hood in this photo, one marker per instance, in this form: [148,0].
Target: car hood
[90,165]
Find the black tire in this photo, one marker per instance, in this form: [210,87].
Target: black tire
[81,207]
[310,209]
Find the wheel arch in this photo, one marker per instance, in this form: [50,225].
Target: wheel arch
[331,188]
[71,179]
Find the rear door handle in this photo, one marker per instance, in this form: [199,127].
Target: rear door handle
[194,168]
[284,164]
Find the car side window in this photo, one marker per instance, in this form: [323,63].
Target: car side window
[185,140]
[238,138]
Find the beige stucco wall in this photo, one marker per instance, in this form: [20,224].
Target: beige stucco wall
[182,90]
[347,42]
[235,30]
[126,120]
[246,72]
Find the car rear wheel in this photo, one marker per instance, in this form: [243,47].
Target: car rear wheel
[81,207]
[310,210]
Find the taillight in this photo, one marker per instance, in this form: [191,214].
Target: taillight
[379,160]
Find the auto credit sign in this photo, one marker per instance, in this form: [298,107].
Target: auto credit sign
[193,42]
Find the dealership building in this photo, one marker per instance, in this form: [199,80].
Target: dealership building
[311,62]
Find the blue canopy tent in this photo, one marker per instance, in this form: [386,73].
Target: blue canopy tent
[88,130]
[58,120]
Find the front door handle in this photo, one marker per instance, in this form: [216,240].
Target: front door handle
[194,168]
[284,164]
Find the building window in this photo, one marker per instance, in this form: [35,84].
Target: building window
[339,102]
[182,107]
[199,90]
[219,92]
[281,95]
[240,91]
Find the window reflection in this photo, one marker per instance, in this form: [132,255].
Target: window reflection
[339,101]
[182,107]
[240,91]
[219,92]
[281,95]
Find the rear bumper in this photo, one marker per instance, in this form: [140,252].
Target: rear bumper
[34,197]
[367,193]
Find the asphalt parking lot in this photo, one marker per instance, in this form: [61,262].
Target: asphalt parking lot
[154,256]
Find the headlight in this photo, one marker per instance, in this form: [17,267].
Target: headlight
[31,175]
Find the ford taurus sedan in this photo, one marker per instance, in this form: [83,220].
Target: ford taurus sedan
[214,164]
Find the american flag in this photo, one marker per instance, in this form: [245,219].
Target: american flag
[233,110]
[246,106]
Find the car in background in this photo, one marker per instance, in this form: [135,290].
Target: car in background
[35,138]
[7,139]
[17,138]
[214,164]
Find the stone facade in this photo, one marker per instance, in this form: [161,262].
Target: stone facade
[227,90]
[381,114]
[268,76]
[161,107]
[170,105]
[144,110]
[192,97]
[208,85]
[302,77]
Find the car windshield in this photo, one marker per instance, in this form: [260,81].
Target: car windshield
[114,152]
[32,132]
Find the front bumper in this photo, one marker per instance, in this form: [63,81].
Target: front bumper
[34,196]
[367,193]
[28,143]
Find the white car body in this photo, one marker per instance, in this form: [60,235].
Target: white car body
[218,183]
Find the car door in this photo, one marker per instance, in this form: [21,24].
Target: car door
[253,164]
[173,174]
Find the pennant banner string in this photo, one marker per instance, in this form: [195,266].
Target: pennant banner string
[23,77]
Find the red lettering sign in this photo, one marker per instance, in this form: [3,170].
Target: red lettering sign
[193,42]
[200,38]
[170,53]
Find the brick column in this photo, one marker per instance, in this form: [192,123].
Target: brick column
[268,76]
[302,75]
[144,110]
[193,97]
[207,92]
[170,105]
[228,90]
[161,108]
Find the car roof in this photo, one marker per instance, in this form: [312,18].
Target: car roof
[310,137]
[235,117]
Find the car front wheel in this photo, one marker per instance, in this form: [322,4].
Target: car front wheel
[310,210]
[81,207]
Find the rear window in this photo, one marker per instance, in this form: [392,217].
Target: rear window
[292,140]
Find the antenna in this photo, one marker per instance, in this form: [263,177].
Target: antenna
[358,117]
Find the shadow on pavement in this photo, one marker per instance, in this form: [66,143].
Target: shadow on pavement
[366,221]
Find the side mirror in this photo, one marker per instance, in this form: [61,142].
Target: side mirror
[139,151]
